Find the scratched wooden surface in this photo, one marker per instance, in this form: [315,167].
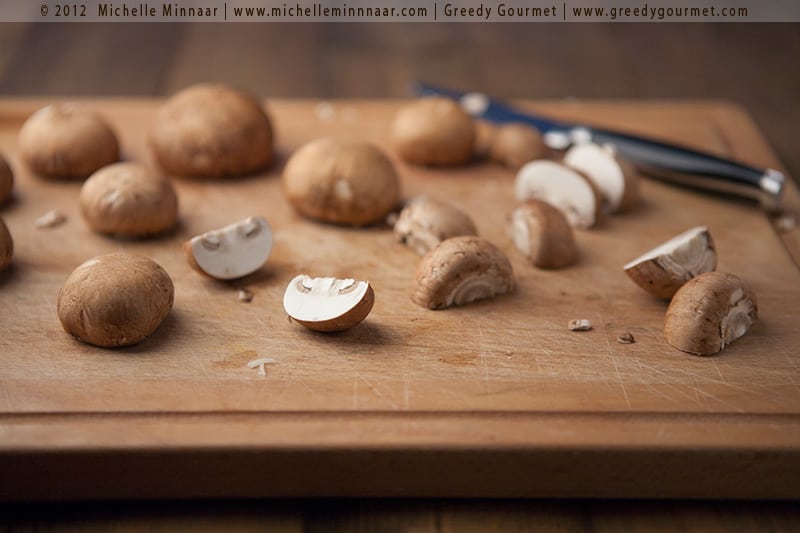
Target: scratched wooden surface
[504,378]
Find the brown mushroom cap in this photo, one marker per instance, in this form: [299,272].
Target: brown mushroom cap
[6,246]
[67,141]
[6,179]
[433,131]
[543,234]
[425,221]
[212,131]
[349,183]
[515,144]
[115,300]
[709,312]
[128,199]
[461,270]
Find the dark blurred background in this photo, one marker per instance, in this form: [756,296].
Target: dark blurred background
[755,65]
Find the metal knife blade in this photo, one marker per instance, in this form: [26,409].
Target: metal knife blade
[667,161]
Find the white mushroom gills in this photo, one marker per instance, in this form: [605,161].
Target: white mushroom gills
[738,320]
[685,255]
[310,299]
[600,164]
[559,186]
[474,289]
[235,250]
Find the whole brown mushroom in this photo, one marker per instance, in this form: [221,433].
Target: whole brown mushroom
[515,144]
[128,199]
[115,300]
[433,131]
[341,182]
[67,141]
[212,131]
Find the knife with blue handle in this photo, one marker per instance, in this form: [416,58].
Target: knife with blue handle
[662,160]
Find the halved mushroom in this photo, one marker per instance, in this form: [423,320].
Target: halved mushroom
[665,268]
[709,312]
[541,232]
[328,304]
[233,251]
[615,177]
[515,144]
[461,270]
[425,222]
[562,187]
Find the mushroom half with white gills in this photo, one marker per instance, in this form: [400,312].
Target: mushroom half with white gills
[233,251]
[565,188]
[328,304]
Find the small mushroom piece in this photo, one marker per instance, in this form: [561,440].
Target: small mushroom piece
[665,268]
[128,199]
[515,144]
[433,131]
[232,252]
[328,304]
[348,183]
[67,141]
[543,234]
[50,219]
[6,180]
[6,246]
[615,177]
[562,187]
[115,300]
[461,270]
[709,312]
[425,222]
[212,131]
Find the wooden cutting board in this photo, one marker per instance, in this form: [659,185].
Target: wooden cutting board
[492,399]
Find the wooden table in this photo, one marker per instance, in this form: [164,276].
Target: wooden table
[496,399]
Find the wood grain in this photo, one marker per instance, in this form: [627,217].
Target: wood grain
[475,396]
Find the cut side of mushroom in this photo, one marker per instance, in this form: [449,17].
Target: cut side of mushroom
[328,304]
[709,312]
[562,187]
[615,177]
[543,234]
[461,270]
[6,180]
[233,251]
[664,269]
[425,222]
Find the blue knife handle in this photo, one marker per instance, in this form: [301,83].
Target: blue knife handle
[695,169]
